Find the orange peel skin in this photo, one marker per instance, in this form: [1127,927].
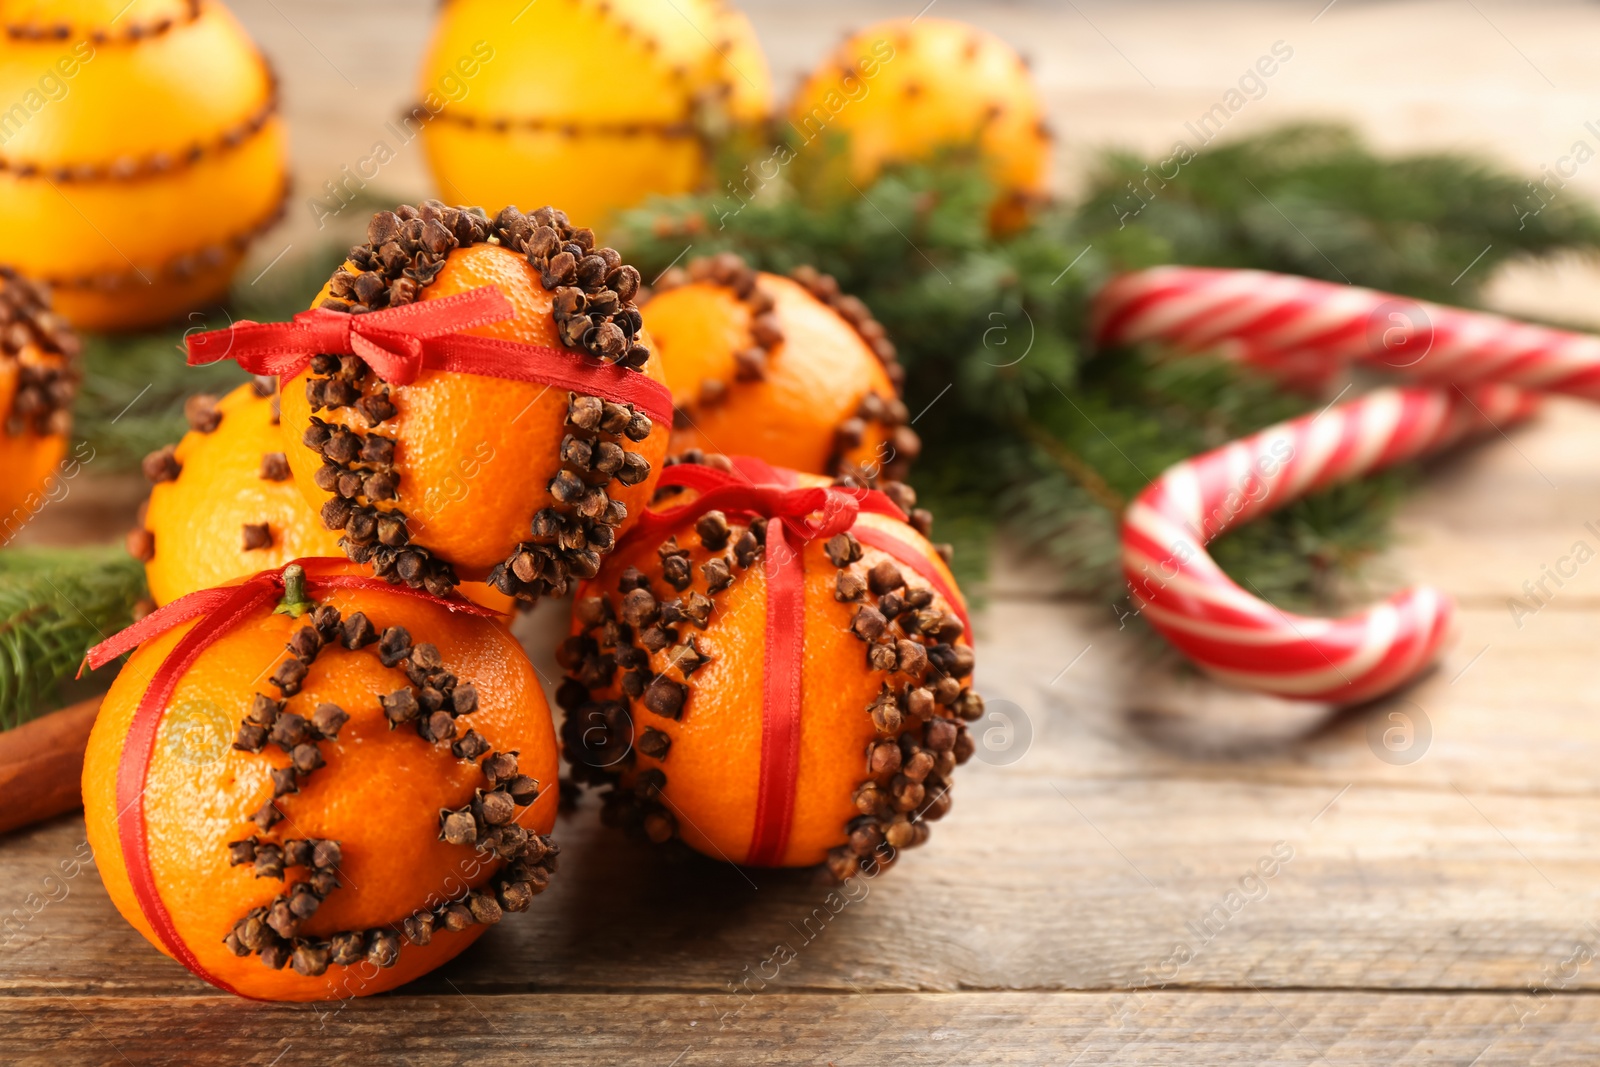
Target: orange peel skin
[154,156]
[471,467]
[786,369]
[376,792]
[667,711]
[510,119]
[903,90]
[39,375]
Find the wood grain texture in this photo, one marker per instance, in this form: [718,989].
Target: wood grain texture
[1243,1028]
[1032,883]
[1099,861]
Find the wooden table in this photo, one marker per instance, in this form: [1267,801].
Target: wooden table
[1075,907]
[1100,896]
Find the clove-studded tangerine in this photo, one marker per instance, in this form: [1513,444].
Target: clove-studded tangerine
[38,381]
[341,789]
[787,369]
[591,104]
[783,679]
[520,482]
[143,152]
[223,503]
[904,90]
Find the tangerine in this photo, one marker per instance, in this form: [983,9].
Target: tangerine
[148,154]
[461,476]
[789,370]
[39,376]
[528,103]
[223,503]
[903,90]
[405,766]
[666,687]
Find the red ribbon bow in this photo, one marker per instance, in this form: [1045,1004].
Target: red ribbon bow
[220,611]
[399,343]
[796,515]
[754,488]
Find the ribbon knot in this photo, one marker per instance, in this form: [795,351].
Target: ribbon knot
[225,607]
[393,341]
[399,343]
[396,357]
[754,488]
[813,512]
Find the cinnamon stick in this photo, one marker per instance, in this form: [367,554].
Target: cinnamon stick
[41,764]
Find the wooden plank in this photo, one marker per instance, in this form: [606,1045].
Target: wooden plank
[1176,790]
[1035,881]
[1508,709]
[1488,519]
[658,1030]
[1143,797]
[96,508]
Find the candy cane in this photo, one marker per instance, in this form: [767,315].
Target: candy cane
[1304,331]
[1238,637]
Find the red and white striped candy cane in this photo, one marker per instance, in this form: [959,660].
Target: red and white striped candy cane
[1239,637]
[1304,331]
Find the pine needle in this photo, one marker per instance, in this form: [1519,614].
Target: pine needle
[54,605]
[131,401]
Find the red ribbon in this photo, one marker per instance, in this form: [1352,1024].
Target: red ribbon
[795,516]
[399,343]
[220,611]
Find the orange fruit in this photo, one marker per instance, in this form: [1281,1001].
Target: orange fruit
[463,476]
[666,673]
[143,154]
[38,383]
[223,503]
[629,103]
[344,796]
[789,370]
[903,90]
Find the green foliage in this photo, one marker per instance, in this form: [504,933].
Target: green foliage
[1309,199]
[131,402]
[1011,406]
[54,605]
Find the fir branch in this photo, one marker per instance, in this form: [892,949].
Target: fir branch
[1310,199]
[131,401]
[54,605]
[991,330]
[956,492]
[1076,468]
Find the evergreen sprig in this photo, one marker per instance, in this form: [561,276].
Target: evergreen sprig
[54,605]
[131,400]
[1011,404]
[1312,200]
